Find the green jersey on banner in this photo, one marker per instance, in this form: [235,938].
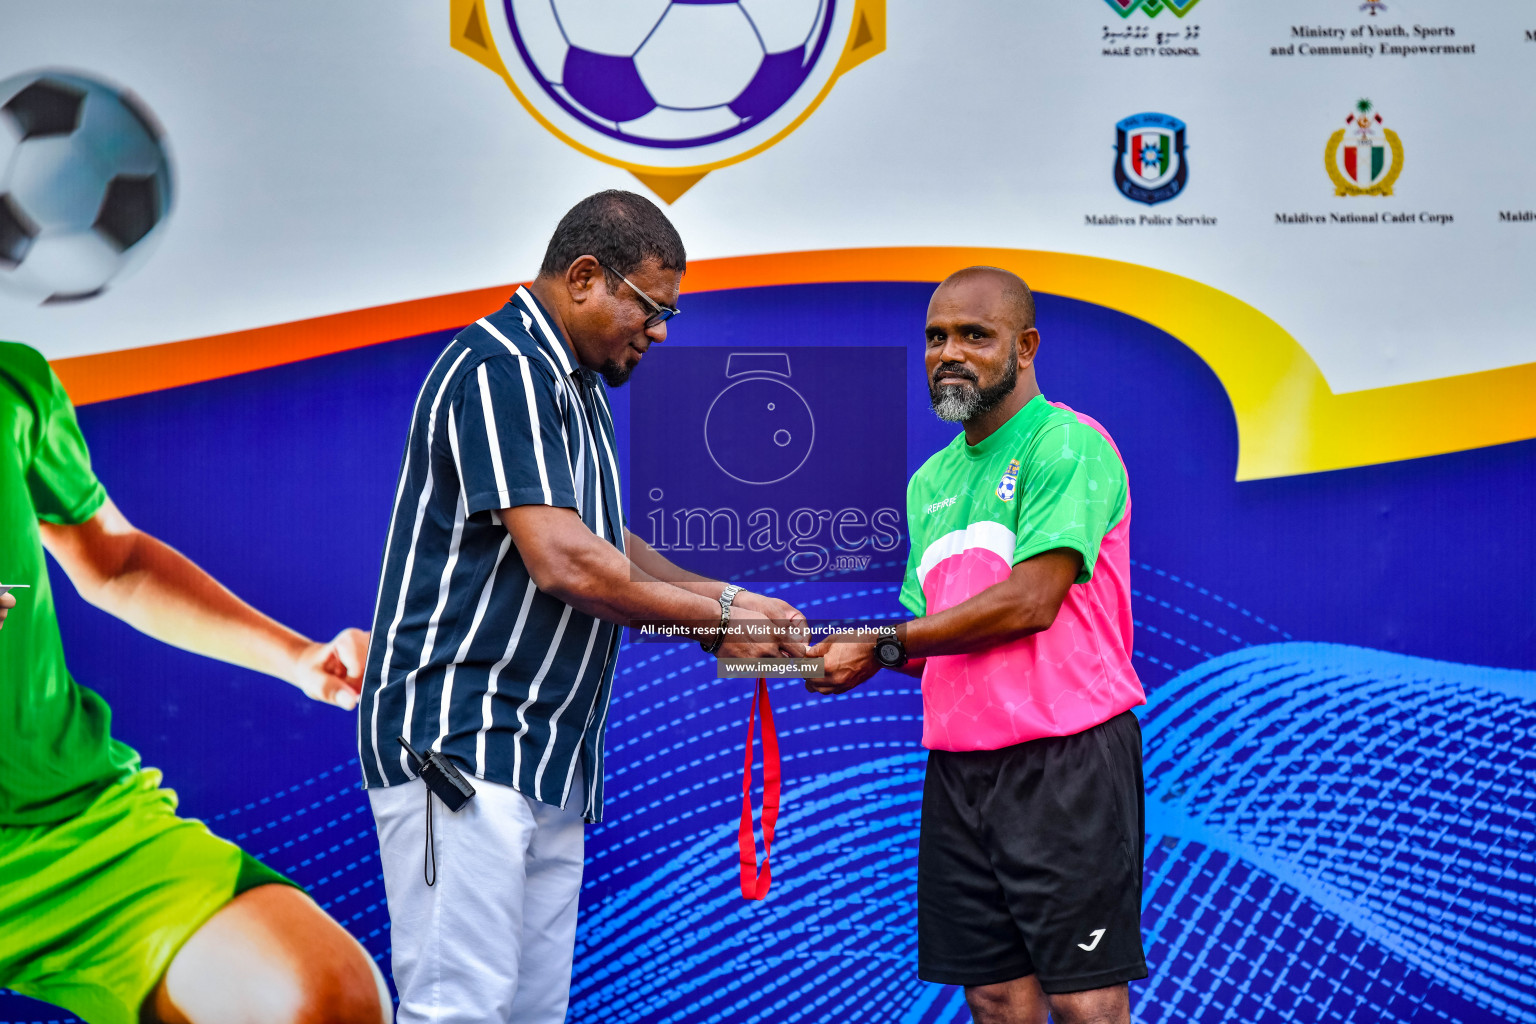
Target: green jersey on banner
[56,748]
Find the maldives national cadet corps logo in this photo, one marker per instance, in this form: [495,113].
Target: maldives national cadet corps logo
[1149,158]
[669,89]
[1366,164]
[1125,8]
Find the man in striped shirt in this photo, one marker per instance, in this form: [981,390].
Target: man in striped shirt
[507,574]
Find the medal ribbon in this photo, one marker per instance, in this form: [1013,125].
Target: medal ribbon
[754,883]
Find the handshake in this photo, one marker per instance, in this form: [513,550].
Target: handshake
[764,627]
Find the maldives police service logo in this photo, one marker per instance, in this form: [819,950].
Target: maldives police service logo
[1365,157]
[669,89]
[1149,158]
[1010,480]
[1126,8]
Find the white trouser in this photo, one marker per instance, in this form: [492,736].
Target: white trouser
[493,939]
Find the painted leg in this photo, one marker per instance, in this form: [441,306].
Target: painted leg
[270,956]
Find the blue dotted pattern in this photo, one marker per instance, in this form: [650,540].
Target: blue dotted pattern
[1231,934]
[1395,794]
[1334,834]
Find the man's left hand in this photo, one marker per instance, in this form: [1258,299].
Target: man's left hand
[333,672]
[849,661]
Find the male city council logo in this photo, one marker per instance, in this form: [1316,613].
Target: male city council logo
[669,90]
[1150,166]
[1152,8]
[1361,162]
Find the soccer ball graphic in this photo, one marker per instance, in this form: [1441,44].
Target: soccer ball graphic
[670,74]
[85,185]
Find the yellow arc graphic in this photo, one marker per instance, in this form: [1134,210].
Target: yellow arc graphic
[470,34]
[1289,421]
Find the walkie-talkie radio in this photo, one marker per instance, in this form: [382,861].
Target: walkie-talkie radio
[451,787]
[441,777]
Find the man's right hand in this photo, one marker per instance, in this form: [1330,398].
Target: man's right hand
[572,564]
[7,602]
[755,635]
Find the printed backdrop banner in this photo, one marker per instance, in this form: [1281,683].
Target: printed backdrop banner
[1283,252]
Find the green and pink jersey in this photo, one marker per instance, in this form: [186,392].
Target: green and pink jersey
[1048,478]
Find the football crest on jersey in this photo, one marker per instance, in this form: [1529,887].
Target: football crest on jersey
[1006,485]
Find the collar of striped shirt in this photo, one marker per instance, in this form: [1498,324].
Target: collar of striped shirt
[554,344]
[548,338]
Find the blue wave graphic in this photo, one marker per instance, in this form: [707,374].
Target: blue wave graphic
[1338,836]
[1397,793]
[834,940]
[1335,834]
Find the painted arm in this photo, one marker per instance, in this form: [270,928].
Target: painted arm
[159,591]
[1026,602]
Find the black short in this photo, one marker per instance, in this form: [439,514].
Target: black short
[1030,862]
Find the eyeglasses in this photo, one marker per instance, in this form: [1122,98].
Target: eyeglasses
[660,314]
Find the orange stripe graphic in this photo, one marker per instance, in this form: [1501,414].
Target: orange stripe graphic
[1289,421]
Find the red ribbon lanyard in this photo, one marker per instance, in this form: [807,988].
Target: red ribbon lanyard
[754,883]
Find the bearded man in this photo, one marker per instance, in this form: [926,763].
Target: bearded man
[1030,855]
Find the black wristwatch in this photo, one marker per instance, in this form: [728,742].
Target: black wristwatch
[890,652]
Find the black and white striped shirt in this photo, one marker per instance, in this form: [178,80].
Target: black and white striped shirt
[467,656]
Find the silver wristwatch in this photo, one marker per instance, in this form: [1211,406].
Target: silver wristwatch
[726,597]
